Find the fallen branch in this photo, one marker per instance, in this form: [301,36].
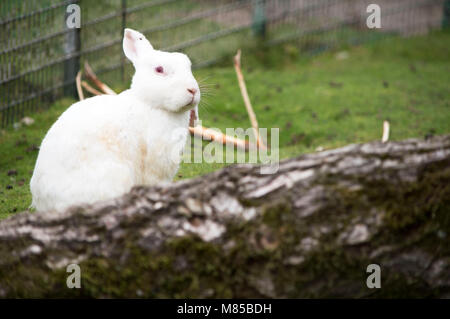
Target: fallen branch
[90,89]
[79,89]
[210,134]
[248,105]
[93,77]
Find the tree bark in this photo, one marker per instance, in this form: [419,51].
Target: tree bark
[309,230]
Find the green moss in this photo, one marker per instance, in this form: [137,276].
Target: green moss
[275,214]
[397,285]
[414,203]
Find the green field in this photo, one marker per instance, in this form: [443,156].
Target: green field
[316,101]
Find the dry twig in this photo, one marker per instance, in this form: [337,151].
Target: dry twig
[79,89]
[248,105]
[91,76]
[385,137]
[90,89]
[210,134]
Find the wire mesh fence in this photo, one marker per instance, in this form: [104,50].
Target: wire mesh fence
[40,55]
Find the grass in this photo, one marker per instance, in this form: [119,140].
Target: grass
[314,101]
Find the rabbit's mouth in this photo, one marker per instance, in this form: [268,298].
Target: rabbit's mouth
[185,108]
[192,103]
[189,105]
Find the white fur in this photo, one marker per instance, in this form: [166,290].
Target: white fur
[101,147]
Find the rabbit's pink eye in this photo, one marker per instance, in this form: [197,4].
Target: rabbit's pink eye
[159,69]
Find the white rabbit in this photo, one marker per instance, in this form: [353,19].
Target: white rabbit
[101,147]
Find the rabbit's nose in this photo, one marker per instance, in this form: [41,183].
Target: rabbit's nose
[192,91]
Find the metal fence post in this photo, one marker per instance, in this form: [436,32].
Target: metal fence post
[259,18]
[446,16]
[72,46]
[124,22]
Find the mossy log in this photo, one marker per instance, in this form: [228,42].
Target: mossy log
[309,230]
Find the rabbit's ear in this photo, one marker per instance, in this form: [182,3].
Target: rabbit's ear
[135,44]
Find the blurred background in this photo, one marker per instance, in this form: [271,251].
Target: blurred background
[313,69]
[39,55]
